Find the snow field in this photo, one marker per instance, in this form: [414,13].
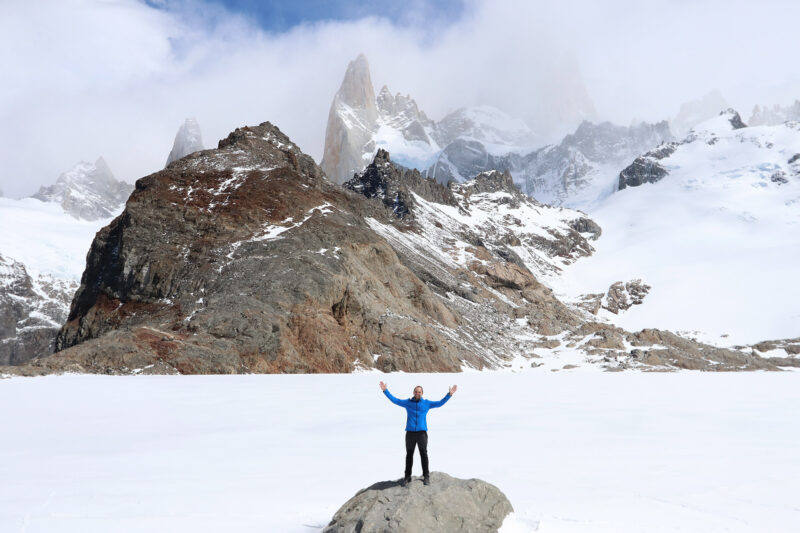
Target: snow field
[573,451]
[716,239]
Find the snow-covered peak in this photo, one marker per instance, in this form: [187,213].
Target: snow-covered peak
[696,111]
[727,120]
[87,191]
[189,139]
[359,124]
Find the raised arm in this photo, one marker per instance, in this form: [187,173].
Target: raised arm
[446,397]
[396,401]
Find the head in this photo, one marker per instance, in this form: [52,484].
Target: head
[418,392]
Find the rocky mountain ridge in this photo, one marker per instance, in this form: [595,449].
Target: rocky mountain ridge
[245,258]
[578,171]
[359,124]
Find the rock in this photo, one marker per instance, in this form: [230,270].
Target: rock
[591,302]
[393,186]
[621,297]
[448,504]
[646,168]
[587,225]
[733,118]
[779,177]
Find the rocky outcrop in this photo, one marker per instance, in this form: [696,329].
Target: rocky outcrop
[447,505]
[621,296]
[89,191]
[734,118]
[32,309]
[393,185]
[646,168]
[189,139]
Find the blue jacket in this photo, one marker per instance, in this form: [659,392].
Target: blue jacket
[416,410]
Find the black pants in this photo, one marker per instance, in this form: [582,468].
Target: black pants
[416,438]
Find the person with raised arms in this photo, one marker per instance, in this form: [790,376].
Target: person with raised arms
[417,409]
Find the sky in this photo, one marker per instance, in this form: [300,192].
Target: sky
[117,78]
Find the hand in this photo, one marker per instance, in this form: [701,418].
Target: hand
[453,389]
[383,386]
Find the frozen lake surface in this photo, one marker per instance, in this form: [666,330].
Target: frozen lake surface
[573,451]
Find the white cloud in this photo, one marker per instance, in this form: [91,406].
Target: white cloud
[117,77]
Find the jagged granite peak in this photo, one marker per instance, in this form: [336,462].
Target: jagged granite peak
[352,121]
[447,505]
[394,184]
[775,115]
[359,124]
[88,191]
[188,139]
[357,90]
[32,309]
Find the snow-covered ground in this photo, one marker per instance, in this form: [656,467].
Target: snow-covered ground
[717,239]
[573,451]
[45,238]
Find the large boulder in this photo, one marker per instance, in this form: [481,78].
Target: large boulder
[447,504]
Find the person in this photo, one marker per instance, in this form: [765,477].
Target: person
[417,427]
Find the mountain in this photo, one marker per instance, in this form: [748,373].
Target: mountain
[710,223]
[188,139]
[359,123]
[581,170]
[41,260]
[43,254]
[88,191]
[577,172]
[32,309]
[772,116]
[246,259]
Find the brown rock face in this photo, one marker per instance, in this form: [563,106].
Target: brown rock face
[246,259]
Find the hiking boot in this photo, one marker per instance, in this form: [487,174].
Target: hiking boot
[426,480]
[406,481]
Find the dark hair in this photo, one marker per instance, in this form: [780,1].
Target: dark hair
[420,386]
